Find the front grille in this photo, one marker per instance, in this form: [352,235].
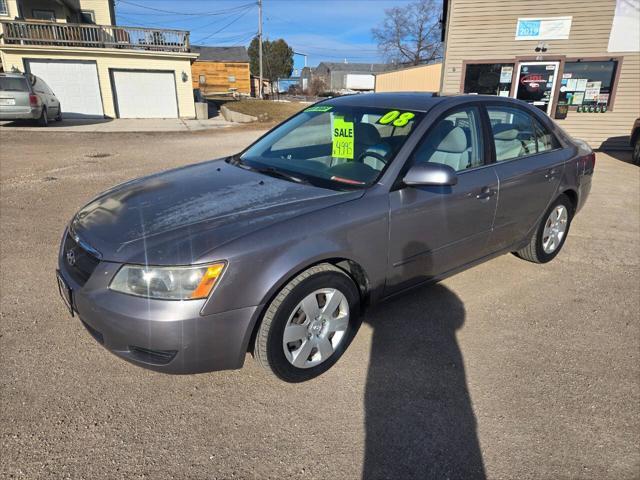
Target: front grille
[84,262]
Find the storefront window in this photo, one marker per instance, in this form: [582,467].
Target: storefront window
[587,83]
[488,78]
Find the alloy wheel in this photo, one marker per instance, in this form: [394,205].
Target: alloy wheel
[554,229]
[316,327]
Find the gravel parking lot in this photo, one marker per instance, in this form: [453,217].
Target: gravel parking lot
[509,371]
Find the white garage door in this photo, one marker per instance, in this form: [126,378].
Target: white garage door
[74,83]
[145,94]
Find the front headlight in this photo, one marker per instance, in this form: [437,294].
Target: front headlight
[168,283]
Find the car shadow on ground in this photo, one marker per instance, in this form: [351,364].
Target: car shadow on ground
[419,418]
[66,122]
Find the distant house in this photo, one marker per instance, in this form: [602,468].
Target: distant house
[221,70]
[345,76]
[95,67]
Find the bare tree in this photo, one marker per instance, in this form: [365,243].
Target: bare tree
[410,34]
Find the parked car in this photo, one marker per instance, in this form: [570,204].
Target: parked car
[27,97]
[635,141]
[278,249]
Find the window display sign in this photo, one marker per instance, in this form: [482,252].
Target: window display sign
[550,28]
[506,73]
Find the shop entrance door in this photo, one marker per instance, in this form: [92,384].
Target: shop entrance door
[536,83]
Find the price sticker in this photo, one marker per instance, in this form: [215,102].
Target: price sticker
[342,137]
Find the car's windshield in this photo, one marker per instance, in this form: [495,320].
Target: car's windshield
[13,84]
[334,146]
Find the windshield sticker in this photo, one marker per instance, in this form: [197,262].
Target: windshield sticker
[319,108]
[342,138]
[398,119]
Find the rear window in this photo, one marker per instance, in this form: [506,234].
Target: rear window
[12,84]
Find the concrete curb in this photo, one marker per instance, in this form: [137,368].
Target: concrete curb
[237,117]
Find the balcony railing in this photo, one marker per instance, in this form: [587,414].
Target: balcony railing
[94,36]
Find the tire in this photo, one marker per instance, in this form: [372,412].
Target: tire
[535,251]
[43,121]
[286,311]
[59,116]
[636,151]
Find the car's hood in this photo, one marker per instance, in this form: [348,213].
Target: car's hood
[179,216]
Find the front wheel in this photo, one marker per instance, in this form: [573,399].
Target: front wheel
[636,151]
[309,324]
[59,115]
[549,237]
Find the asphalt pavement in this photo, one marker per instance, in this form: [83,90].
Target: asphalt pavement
[507,371]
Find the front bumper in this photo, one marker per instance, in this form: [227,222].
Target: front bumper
[166,336]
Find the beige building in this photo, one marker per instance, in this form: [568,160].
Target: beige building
[578,61]
[422,78]
[95,68]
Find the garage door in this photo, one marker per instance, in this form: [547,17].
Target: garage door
[74,83]
[145,94]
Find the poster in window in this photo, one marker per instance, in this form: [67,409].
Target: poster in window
[506,73]
[571,84]
[578,98]
[603,98]
[591,91]
[581,84]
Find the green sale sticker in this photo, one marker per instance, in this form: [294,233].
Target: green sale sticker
[319,108]
[342,138]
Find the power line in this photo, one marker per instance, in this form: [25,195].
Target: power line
[170,12]
[224,27]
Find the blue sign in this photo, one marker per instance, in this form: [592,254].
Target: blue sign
[528,28]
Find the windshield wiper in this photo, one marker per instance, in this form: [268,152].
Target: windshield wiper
[273,172]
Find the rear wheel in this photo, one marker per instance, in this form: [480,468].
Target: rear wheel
[547,240]
[309,324]
[636,151]
[43,121]
[59,115]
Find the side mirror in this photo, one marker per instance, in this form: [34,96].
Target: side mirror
[431,174]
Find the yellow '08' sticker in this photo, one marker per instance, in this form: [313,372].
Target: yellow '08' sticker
[396,118]
[342,137]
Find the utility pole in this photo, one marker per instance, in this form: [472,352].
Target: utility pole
[260,93]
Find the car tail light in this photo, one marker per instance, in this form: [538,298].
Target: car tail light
[588,162]
[33,100]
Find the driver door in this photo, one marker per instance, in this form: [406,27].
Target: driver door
[436,229]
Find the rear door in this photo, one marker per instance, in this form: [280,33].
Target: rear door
[529,164]
[433,230]
[14,95]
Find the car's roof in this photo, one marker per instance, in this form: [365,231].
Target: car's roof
[417,101]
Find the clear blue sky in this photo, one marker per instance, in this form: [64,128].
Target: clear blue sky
[326,30]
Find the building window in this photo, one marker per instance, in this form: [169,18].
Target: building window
[49,15]
[87,16]
[3,7]
[488,78]
[202,79]
[588,83]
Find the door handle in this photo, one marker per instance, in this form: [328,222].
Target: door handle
[485,193]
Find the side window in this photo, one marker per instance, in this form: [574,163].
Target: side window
[455,140]
[544,138]
[513,134]
[38,86]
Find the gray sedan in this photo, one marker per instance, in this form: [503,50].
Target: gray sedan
[277,250]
